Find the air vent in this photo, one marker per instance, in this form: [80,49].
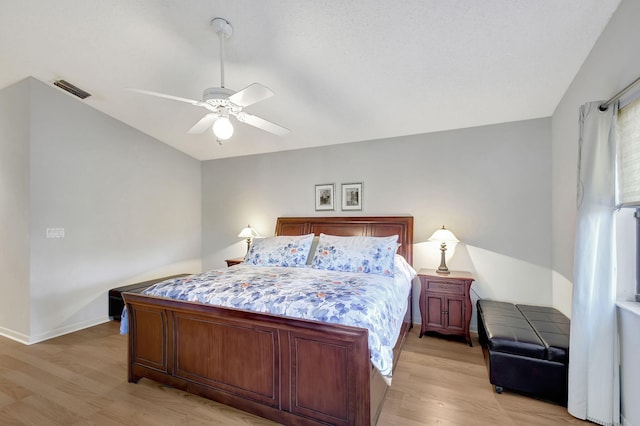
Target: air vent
[66,86]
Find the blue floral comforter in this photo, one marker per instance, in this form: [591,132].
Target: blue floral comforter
[377,303]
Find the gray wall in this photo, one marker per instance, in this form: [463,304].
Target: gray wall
[14,210]
[612,64]
[490,185]
[129,204]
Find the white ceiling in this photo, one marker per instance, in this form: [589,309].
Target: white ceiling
[342,71]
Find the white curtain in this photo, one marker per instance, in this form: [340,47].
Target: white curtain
[594,392]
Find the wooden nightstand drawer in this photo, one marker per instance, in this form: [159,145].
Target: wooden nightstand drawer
[445,287]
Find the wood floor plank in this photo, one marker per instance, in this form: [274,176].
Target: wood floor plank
[81,379]
[23,412]
[11,391]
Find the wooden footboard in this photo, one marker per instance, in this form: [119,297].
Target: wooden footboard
[288,370]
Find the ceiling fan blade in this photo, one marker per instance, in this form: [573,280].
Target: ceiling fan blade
[163,95]
[263,124]
[251,94]
[204,123]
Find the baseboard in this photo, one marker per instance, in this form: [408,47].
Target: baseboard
[18,337]
[30,340]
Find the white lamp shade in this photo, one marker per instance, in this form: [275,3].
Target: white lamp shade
[443,235]
[248,232]
[222,128]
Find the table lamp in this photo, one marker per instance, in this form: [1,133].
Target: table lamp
[248,233]
[443,236]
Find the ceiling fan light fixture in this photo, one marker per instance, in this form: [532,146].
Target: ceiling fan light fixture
[222,128]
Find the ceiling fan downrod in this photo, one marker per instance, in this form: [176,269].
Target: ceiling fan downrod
[223,28]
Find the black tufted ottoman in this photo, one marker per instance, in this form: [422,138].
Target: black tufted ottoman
[528,348]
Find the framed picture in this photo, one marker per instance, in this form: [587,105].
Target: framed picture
[352,196]
[325,196]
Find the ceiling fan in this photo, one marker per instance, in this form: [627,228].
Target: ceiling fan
[223,102]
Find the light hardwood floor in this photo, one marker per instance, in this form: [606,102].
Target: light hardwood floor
[80,379]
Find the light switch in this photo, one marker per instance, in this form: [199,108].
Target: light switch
[55,232]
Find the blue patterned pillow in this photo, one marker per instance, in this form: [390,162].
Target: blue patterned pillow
[371,255]
[280,251]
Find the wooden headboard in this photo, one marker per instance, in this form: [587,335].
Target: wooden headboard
[373,226]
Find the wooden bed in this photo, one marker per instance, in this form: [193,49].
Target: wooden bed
[292,371]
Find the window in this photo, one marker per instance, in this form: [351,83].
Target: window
[626,252]
[628,194]
[628,158]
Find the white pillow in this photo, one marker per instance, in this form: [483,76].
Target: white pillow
[402,267]
[280,251]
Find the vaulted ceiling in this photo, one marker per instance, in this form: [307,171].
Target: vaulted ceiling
[342,71]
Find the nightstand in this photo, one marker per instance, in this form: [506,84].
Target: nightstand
[231,262]
[445,304]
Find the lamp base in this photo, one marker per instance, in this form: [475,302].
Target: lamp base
[442,269]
